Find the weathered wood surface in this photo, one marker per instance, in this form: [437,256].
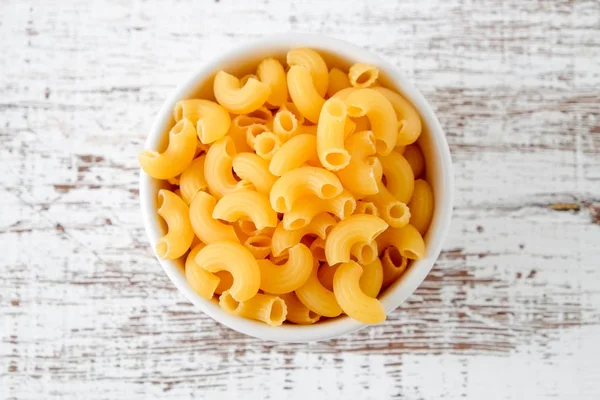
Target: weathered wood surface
[511,310]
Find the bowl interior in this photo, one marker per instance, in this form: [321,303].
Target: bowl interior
[336,53]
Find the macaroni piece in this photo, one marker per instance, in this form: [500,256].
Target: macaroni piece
[304,94]
[364,253]
[344,93]
[317,248]
[362,124]
[262,115]
[407,240]
[314,63]
[285,125]
[331,134]
[208,229]
[246,77]
[291,107]
[297,312]
[237,260]
[200,280]
[342,206]
[414,156]
[238,130]
[338,80]
[212,121]
[240,99]
[370,281]
[217,168]
[176,158]
[399,177]
[192,180]
[259,246]
[392,210]
[366,207]
[270,71]
[249,229]
[246,204]
[278,279]
[381,114]
[179,235]
[358,228]
[421,206]
[252,133]
[283,239]
[302,182]
[351,298]
[317,298]
[294,153]
[409,122]
[393,265]
[255,169]
[362,174]
[225,281]
[363,75]
[266,308]
[266,145]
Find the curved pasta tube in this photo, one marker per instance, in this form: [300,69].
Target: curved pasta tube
[238,131]
[237,99]
[317,298]
[338,80]
[270,71]
[370,281]
[212,121]
[317,248]
[407,240]
[246,204]
[399,177]
[285,125]
[298,313]
[314,63]
[303,93]
[176,158]
[200,280]
[358,228]
[225,281]
[366,207]
[344,93]
[291,107]
[364,253]
[179,235]
[253,168]
[364,171]
[381,114]
[331,134]
[259,246]
[252,132]
[238,261]
[294,153]
[393,265]
[302,213]
[421,206]
[266,308]
[392,210]
[351,298]
[278,279]
[218,168]
[409,122]
[266,145]
[302,182]
[204,225]
[414,156]
[192,180]
[249,229]
[283,239]
[363,75]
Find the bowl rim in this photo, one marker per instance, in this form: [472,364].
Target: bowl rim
[435,235]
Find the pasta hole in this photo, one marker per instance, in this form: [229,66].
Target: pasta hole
[328,191]
[162,248]
[397,211]
[395,257]
[381,146]
[228,303]
[371,161]
[313,316]
[161,199]
[278,311]
[256,129]
[410,254]
[371,209]
[337,159]
[298,223]
[243,121]
[367,254]
[259,241]
[178,128]
[287,121]
[230,148]
[281,204]
[364,77]
[336,108]
[265,146]
[356,112]
[262,114]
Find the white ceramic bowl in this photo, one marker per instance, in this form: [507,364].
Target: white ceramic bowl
[432,141]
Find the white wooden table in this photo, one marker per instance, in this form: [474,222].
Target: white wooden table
[511,309]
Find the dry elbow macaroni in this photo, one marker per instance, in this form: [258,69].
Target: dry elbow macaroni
[298,210]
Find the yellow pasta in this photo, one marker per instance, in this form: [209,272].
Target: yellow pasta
[225,281]
[331,134]
[266,145]
[302,182]
[303,93]
[414,156]
[294,153]
[399,178]
[238,131]
[358,228]
[285,125]
[212,121]
[180,235]
[270,71]
[262,115]
[291,107]
[297,312]
[309,130]
[364,171]
[266,308]
[218,168]
[246,204]
[238,261]
[237,99]
[364,253]
[252,133]
[338,80]
[200,280]
[407,240]
[381,114]
[259,246]
[255,169]
[176,158]
[314,63]
[303,211]
[393,265]
[208,229]
[409,122]
[278,279]
[363,75]
[391,210]
[317,298]
[283,239]
[351,298]
[192,180]
[317,248]
[362,124]
[421,206]
[370,281]
[366,207]
[344,93]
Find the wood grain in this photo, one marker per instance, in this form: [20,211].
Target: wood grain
[511,310]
